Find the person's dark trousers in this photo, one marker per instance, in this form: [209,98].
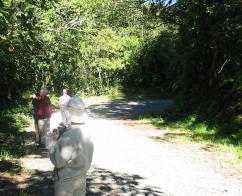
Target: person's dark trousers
[37,131]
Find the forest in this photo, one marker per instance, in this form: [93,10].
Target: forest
[190,49]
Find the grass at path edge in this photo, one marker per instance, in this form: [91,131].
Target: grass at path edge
[188,130]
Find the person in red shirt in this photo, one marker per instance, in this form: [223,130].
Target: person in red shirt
[43,113]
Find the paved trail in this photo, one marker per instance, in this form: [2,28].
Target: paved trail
[127,162]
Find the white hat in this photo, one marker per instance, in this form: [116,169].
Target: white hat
[44,91]
[76,111]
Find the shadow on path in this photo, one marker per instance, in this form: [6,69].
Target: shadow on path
[100,182]
[126,109]
[39,152]
[105,182]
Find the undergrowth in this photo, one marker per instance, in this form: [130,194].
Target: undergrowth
[188,128]
[14,118]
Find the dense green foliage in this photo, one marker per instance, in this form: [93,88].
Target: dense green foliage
[19,45]
[88,47]
[210,34]
[192,48]
[81,45]
[215,37]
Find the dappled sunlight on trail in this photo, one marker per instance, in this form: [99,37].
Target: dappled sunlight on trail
[128,162]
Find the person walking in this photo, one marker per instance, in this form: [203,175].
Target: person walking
[35,103]
[63,101]
[72,153]
[43,113]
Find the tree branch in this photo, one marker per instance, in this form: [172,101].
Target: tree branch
[221,69]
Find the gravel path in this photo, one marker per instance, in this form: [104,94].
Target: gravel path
[127,162]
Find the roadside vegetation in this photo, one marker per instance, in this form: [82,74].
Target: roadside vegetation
[189,51]
[189,129]
[14,119]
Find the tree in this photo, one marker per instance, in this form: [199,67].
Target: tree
[211,40]
[19,44]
